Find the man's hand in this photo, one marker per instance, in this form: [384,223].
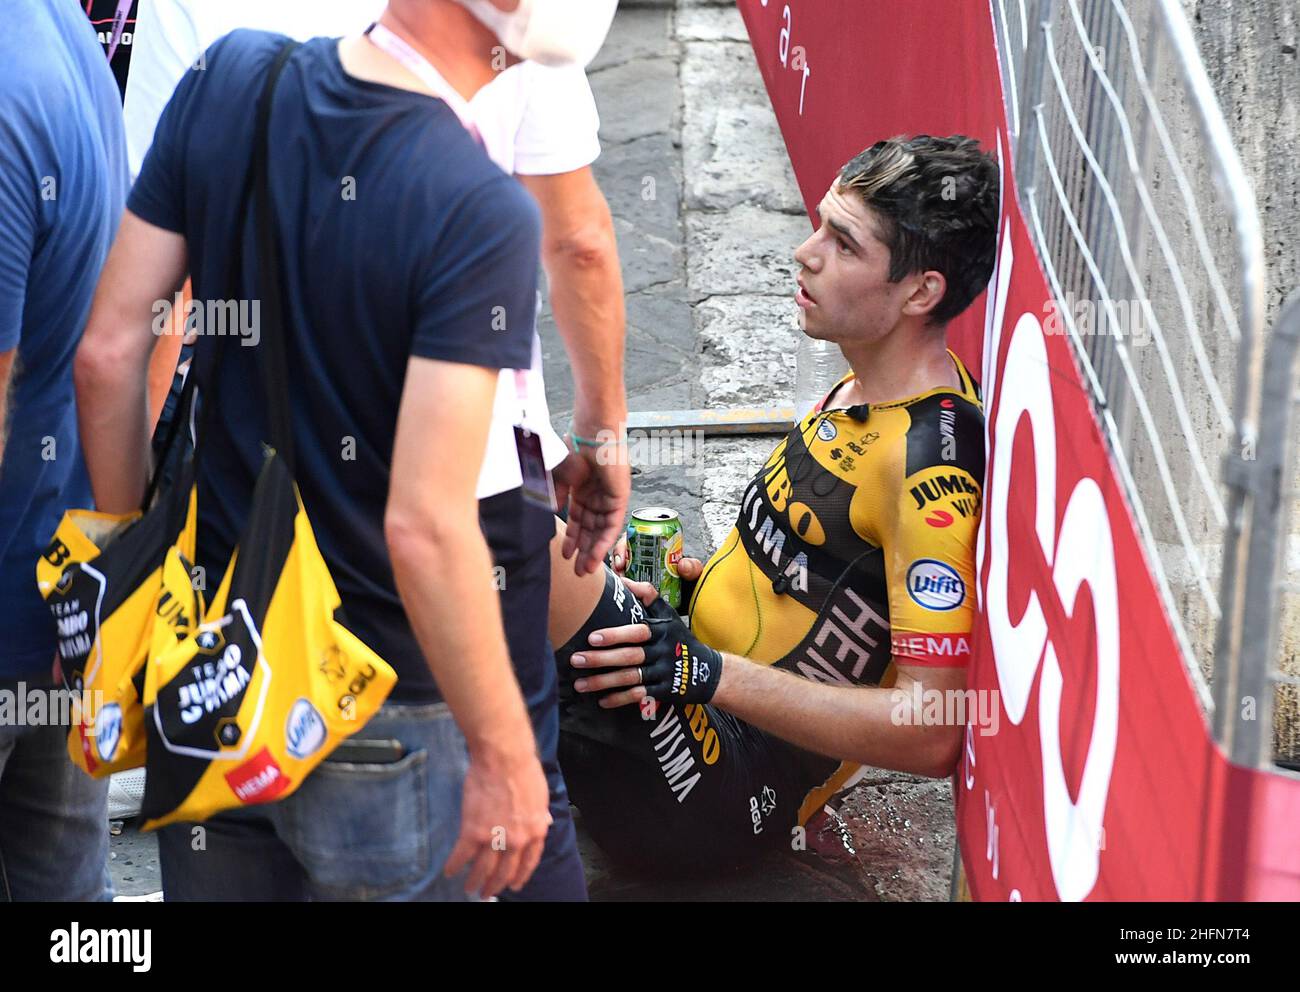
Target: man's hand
[597,487]
[504,819]
[580,254]
[660,658]
[689,569]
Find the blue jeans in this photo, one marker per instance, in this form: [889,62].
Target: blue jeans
[350,832]
[53,816]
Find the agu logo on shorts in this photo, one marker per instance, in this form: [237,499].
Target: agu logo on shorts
[304,731]
[108,731]
[935,585]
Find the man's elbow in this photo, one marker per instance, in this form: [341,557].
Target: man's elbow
[414,538]
[98,364]
[940,751]
[590,247]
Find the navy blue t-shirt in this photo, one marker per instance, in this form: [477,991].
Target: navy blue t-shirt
[63,179]
[399,238]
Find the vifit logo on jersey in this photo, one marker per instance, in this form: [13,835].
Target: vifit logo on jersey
[935,585]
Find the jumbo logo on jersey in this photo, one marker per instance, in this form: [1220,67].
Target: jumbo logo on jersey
[827,431]
[963,493]
[935,585]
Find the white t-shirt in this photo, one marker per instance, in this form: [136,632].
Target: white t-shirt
[534,120]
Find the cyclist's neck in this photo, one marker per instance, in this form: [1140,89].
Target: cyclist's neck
[897,366]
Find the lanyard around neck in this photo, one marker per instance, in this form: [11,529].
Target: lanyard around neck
[433,80]
[420,67]
[119,25]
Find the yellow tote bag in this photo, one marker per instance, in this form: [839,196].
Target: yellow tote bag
[102,578]
[241,710]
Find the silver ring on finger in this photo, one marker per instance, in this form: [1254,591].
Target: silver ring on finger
[640,675]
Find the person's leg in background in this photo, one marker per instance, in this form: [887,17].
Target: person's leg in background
[53,816]
[233,857]
[519,535]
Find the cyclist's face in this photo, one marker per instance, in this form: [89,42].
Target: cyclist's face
[844,290]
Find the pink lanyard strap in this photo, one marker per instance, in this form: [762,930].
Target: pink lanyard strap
[419,66]
[119,25]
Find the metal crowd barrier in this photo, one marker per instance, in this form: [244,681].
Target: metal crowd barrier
[1147,228]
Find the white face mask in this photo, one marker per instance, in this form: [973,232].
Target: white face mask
[552,32]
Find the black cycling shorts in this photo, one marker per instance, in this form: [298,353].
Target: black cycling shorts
[680,788]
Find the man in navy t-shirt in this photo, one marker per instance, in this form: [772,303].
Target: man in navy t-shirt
[63,178]
[409,267]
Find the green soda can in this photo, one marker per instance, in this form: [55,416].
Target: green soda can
[654,549]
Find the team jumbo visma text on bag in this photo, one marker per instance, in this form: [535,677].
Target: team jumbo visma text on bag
[232,702]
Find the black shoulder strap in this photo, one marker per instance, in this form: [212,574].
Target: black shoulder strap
[274,365]
[184,412]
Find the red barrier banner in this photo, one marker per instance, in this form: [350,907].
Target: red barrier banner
[1099,779]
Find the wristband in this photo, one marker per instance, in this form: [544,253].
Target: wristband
[580,442]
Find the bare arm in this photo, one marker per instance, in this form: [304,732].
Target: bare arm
[6,373]
[443,572]
[580,254]
[866,725]
[432,529]
[145,267]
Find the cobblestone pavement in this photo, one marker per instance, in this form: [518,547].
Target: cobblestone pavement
[708,215]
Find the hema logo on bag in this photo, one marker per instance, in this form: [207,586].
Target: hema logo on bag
[935,585]
[304,732]
[258,780]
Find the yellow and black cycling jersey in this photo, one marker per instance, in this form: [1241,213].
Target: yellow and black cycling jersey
[854,546]
[867,518]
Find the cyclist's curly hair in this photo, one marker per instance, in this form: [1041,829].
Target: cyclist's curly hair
[937,202]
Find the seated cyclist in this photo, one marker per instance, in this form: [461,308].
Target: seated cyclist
[849,573]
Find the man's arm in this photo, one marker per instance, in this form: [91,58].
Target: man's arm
[866,725]
[6,375]
[862,724]
[145,267]
[580,255]
[443,571]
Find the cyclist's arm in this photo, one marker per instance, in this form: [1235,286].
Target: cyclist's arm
[866,725]
[862,724]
